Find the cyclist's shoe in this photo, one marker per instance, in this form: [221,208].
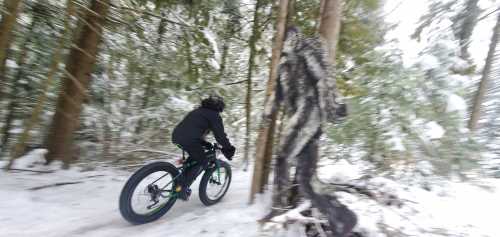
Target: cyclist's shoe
[183,193]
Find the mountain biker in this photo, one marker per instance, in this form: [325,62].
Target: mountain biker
[190,134]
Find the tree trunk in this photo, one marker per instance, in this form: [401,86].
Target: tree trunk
[12,9]
[320,14]
[468,18]
[329,27]
[145,101]
[290,17]
[150,83]
[251,64]
[14,99]
[78,71]
[21,60]
[107,140]
[490,60]
[222,69]
[281,182]
[264,142]
[233,22]
[20,146]
[192,70]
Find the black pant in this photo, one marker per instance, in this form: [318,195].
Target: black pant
[195,163]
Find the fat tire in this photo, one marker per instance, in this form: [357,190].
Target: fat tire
[125,197]
[204,183]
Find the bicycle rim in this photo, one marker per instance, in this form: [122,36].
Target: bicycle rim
[217,183]
[152,193]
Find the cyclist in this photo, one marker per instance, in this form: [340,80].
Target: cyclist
[190,135]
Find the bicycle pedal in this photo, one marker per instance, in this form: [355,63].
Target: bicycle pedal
[185,194]
[178,189]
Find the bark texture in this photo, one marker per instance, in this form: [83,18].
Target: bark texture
[329,27]
[78,71]
[483,85]
[264,144]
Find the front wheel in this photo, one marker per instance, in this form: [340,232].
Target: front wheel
[149,193]
[215,183]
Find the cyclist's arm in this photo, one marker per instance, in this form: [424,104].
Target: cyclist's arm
[217,128]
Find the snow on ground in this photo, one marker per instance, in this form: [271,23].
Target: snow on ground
[89,207]
[444,208]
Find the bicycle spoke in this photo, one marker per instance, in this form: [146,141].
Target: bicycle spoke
[217,184]
[149,196]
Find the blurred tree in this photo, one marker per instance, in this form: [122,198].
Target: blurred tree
[9,16]
[485,77]
[20,74]
[78,74]
[265,137]
[405,117]
[20,147]
[329,26]
[463,25]
[256,32]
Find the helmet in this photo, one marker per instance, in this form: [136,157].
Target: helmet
[213,102]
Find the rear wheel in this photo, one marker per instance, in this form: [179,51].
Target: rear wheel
[215,183]
[149,193]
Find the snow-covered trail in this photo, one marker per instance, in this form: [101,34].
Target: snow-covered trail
[90,208]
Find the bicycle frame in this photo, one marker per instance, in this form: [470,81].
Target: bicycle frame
[212,159]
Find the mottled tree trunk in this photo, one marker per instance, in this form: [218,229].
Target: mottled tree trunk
[12,9]
[78,71]
[490,60]
[264,144]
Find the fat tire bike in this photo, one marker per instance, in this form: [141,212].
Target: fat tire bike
[151,191]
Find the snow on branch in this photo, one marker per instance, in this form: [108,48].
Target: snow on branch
[293,216]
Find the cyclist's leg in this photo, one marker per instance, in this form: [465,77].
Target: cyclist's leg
[197,161]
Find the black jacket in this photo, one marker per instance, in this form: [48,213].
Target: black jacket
[197,124]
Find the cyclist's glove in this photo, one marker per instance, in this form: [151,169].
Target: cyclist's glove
[229,152]
[206,145]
